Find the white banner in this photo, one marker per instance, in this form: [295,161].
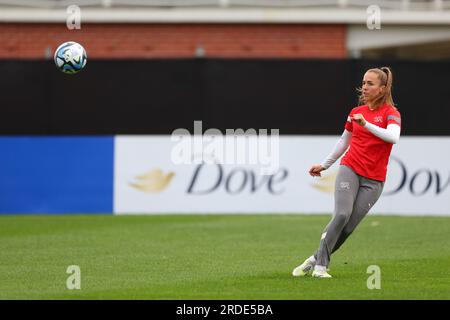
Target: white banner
[146,179]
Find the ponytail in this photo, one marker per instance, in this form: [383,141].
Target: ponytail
[387,96]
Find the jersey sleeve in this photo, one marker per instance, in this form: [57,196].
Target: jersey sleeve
[349,123]
[393,117]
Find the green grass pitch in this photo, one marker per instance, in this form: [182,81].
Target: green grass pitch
[218,257]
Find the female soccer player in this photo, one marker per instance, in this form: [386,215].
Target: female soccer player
[370,131]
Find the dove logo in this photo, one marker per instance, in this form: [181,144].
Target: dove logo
[418,182]
[235,147]
[238,180]
[153,181]
[326,183]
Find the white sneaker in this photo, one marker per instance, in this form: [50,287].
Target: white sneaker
[304,269]
[321,274]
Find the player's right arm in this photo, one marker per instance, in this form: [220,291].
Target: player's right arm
[340,147]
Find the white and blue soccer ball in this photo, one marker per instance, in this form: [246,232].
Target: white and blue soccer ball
[70,57]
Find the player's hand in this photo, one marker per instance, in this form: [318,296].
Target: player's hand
[359,118]
[315,170]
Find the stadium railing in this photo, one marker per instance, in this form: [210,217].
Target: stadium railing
[423,5]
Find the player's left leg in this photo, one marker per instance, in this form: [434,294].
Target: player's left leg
[368,194]
[345,192]
[347,184]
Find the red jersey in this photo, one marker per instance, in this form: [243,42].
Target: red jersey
[368,155]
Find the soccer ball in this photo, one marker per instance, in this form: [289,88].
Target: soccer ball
[70,57]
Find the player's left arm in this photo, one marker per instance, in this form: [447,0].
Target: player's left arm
[392,132]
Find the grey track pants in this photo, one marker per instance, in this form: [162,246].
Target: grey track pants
[354,195]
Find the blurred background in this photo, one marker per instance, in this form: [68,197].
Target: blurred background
[77,143]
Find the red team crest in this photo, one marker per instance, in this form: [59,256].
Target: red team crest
[378,119]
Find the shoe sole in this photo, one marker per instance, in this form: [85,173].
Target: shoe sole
[321,277]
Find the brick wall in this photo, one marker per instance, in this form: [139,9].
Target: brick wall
[30,41]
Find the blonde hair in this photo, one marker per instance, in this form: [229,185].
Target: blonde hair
[385,77]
